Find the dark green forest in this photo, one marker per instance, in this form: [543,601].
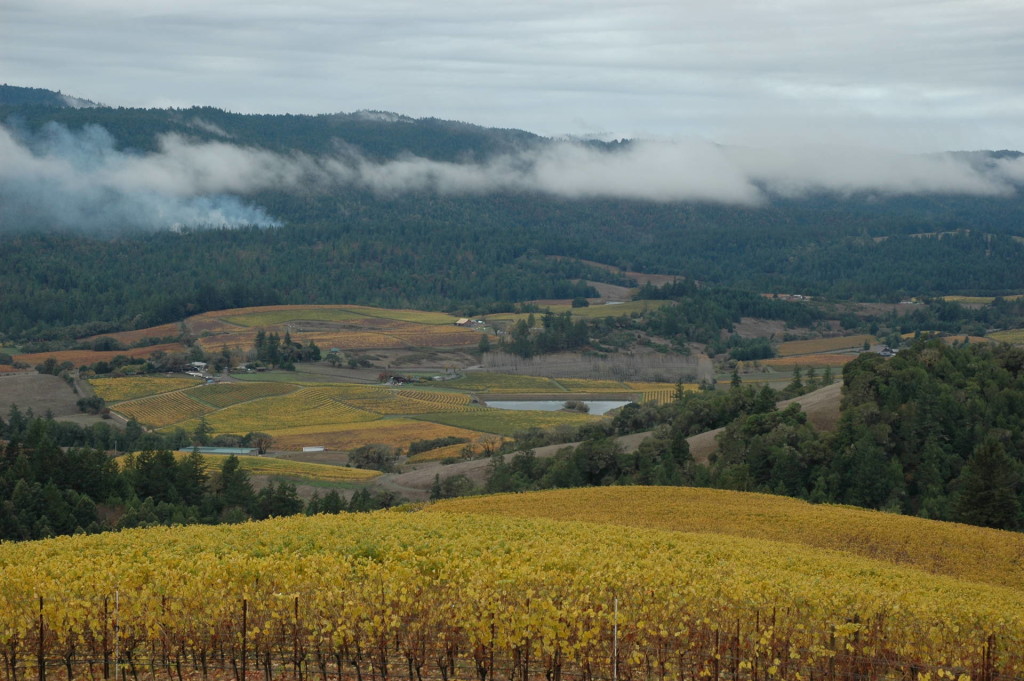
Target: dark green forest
[58,478]
[466,253]
[936,432]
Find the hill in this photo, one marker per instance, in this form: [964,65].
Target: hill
[382,209]
[461,594]
[962,551]
[12,95]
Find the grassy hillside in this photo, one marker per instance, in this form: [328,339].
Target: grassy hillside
[492,595]
[962,551]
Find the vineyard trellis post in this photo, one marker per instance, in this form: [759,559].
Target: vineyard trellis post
[41,654]
[117,634]
[106,637]
[615,641]
[245,622]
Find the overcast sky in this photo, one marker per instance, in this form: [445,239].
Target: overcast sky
[916,75]
[900,74]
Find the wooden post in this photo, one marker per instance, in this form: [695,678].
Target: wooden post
[245,623]
[106,638]
[41,659]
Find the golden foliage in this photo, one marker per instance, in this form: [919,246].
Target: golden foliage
[222,395]
[962,551]
[396,432]
[394,588]
[164,409]
[134,387]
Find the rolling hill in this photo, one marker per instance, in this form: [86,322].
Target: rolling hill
[455,593]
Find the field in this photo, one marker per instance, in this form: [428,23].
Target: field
[456,595]
[807,361]
[661,393]
[347,415]
[453,451]
[306,407]
[41,393]
[1009,336]
[396,432]
[962,551]
[482,382]
[133,387]
[298,470]
[589,312]
[345,327]
[129,337]
[977,300]
[164,409]
[502,422]
[226,394]
[84,357]
[285,468]
[819,345]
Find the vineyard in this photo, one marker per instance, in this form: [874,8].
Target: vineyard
[394,402]
[164,409]
[497,383]
[226,394]
[447,596]
[1008,336]
[308,406]
[819,345]
[134,387]
[507,422]
[272,466]
[396,432]
[820,360]
[961,551]
[346,327]
[661,393]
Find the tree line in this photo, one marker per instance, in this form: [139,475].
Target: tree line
[935,432]
[47,489]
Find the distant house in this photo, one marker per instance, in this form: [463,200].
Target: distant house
[463,322]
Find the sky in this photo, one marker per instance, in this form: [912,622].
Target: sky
[900,75]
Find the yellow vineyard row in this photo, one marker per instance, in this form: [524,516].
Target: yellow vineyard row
[498,594]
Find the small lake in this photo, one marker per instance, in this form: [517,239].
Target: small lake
[597,407]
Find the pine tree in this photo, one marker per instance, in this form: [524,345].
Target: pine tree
[988,485]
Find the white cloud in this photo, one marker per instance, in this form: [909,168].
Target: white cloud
[80,180]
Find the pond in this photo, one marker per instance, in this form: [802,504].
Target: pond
[597,407]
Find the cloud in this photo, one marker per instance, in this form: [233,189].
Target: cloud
[944,69]
[63,179]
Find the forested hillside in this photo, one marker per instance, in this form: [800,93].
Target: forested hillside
[382,209]
[936,432]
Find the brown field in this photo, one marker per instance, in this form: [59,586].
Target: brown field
[38,392]
[129,337]
[362,332]
[818,345]
[82,357]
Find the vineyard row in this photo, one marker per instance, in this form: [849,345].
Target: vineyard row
[293,637]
